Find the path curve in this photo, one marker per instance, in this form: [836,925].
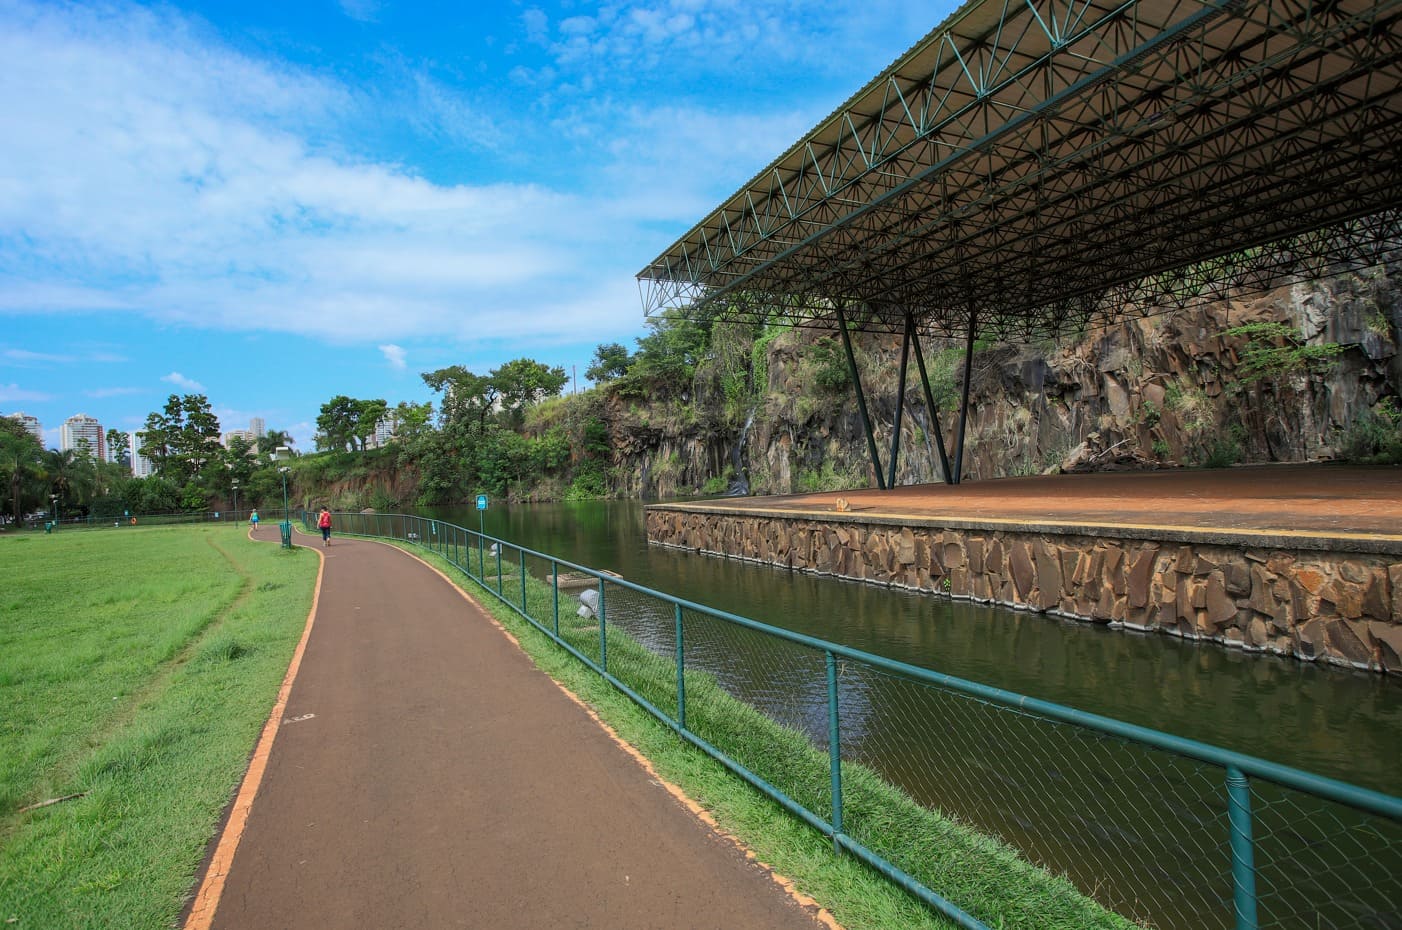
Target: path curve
[427,775]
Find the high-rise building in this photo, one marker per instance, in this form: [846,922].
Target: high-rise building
[245,434]
[81,429]
[30,423]
[257,427]
[384,430]
[140,465]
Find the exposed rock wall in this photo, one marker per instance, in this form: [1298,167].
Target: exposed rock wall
[1337,606]
[1158,390]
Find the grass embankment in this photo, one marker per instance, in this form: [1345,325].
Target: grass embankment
[979,874]
[137,667]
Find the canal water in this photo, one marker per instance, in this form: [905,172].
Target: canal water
[1074,814]
[1341,723]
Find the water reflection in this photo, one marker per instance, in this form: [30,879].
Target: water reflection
[1336,722]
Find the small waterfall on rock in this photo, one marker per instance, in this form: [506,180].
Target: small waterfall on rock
[740,484]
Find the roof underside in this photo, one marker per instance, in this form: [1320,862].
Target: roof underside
[1053,164]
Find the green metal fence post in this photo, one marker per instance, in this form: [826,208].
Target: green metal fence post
[603,632]
[834,752]
[681,672]
[555,585]
[497,544]
[523,579]
[1243,849]
[481,560]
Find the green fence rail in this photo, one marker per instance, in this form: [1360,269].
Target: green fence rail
[1166,832]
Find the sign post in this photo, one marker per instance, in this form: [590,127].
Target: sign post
[481,533]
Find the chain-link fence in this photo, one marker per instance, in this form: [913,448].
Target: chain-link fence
[995,808]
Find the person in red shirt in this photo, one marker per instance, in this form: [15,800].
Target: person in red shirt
[324,522]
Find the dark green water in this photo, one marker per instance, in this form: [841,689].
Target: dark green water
[1141,831]
[1336,722]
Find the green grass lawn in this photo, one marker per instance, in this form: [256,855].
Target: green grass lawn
[981,874]
[137,667]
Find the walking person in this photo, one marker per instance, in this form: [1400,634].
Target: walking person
[324,521]
[253,520]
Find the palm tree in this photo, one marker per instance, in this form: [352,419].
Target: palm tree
[71,475]
[272,439]
[20,461]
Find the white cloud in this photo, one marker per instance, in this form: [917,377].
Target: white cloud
[182,382]
[26,357]
[167,175]
[13,394]
[395,355]
[114,391]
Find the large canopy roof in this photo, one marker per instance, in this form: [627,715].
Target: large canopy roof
[1048,163]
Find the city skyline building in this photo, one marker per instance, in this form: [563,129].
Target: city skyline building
[257,427]
[81,429]
[140,465]
[30,423]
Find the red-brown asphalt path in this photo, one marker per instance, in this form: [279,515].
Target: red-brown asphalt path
[426,775]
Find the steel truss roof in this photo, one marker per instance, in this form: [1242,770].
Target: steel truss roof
[1049,164]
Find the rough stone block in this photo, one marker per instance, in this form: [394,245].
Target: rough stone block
[1388,637]
[905,547]
[1238,577]
[1394,580]
[1311,579]
[1186,560]
[1139,576]
[1048,568]
[1256,632]
[1354,571]
[1376,596]
[1350,641]
[1219,604]
[1023,574]
[973,551]
[953,555]
[1312,642]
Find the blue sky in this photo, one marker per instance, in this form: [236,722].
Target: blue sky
[275,203]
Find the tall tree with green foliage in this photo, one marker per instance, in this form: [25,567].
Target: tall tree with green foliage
[119,447]
[610,361]
[21,462]
[182,438]
[524,382]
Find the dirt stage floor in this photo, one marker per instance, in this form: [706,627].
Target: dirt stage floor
[1287,501]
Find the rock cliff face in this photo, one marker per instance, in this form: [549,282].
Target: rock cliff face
[1158,390]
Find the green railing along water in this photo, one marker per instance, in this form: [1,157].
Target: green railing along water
[1170,832]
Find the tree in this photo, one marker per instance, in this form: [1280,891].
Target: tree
[273,440]
[183,437]
[336,424]
[468,399]
[610,361]
[21,459]
[524,382]
[119,448]
[368,415]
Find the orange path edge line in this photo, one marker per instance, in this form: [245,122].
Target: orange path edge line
[212,887]
[821,914]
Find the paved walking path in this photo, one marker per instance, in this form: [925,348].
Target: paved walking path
[426,775]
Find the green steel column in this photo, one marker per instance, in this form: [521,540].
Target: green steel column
[603,632]
[555,586]
[681,672]
[523,579]
[498,545]
[481,560]
[861,398]
[1243,849]
[930,401]
[834,751]
[900,408]
[964,399]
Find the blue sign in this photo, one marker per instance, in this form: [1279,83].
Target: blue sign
[481,502]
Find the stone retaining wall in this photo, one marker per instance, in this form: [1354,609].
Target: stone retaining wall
[1334,606]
